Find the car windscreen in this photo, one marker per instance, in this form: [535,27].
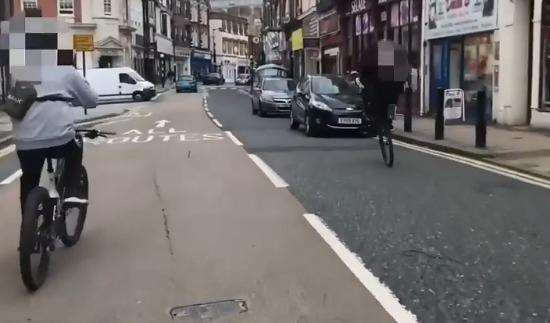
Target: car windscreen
[136,76]
[185,78]
[281,85]
[213,75]
[332,85]
[272,72]
[244,76]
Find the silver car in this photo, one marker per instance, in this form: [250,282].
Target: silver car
[273,97]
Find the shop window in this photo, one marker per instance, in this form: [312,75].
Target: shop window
[30,4]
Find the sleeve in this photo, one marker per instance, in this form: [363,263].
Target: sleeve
[80,89]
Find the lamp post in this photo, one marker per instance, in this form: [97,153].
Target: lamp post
[214,46]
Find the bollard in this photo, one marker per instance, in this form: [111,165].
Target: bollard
[407,121]
[481,122]
[439,118]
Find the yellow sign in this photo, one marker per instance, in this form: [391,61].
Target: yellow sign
[83,43]
[297,39]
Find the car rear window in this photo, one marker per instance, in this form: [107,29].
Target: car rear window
[279,85]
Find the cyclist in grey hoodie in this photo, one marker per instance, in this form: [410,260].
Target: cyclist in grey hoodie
[47,129]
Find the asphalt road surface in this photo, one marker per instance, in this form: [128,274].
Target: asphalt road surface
[180,215]
[455,243]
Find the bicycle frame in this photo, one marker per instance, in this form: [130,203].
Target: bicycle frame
[50,176]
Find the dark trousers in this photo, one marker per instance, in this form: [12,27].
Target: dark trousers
[32,162]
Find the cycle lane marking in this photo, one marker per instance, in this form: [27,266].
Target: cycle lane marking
[277,180]
[233,138]
[374,286]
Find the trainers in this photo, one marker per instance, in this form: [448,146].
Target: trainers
[75,200]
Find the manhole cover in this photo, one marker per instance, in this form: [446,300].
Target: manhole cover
[209,311]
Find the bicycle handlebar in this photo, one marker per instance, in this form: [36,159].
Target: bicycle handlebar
[94,133]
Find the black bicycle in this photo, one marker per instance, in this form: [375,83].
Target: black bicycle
[46,218]
[381,127]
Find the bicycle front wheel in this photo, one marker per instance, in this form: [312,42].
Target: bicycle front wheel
[35,237]
[73,217]
[386,145]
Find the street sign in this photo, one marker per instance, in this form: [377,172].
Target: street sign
[83,43]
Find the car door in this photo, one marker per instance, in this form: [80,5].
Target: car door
[126,85]
[302,100]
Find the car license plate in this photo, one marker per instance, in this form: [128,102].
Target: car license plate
[350,120]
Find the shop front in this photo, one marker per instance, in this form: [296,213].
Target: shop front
[200,63]
[540,91]
[182,60]
[330,42]
[312,53]
[461,57]
[297,42]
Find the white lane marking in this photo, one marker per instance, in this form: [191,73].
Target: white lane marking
[7,150]
[481,165]
[12,177]
[5,139]
[233,138]
[277,180]
[210,115]
[381,292]
[206,109]
[217,123]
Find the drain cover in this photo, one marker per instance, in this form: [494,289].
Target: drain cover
[209,311]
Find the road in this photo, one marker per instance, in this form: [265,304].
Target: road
[455,243]
[181,215]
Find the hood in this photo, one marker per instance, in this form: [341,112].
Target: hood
[146,84]
[279,94]
[341,102]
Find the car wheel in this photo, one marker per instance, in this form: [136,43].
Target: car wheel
[137,96]
[294,124]
[311,128]
[261,111]
[254,111]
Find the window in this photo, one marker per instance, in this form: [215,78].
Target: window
[178,7]
[30,4]
[164,25]
[125,78]
[66,7]
[223,25]
[107,8]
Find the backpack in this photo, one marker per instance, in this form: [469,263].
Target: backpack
[19,100]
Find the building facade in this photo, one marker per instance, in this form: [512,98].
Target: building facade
[182,36]
[229,43]
[201,59]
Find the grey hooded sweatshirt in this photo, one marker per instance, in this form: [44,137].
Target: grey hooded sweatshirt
[50,123]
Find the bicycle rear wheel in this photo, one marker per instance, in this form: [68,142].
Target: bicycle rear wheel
[386,145]
[35,238]
[73,217]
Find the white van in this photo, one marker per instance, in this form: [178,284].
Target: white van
[119,82]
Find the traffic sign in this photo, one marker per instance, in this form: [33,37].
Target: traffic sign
[83,43]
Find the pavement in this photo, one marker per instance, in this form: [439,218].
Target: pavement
[455,242]
[521,147]
[181,215]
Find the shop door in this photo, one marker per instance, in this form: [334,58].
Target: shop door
[439,77]
[545,67]
[477,74]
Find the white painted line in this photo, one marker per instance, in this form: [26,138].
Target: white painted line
[277,180]
[381,292]
[206,109]
[210,115]
[12,177]
[217,123]
[5,139]
[233,138]
[7,150]
[480,164]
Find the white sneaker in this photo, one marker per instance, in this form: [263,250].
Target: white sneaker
[75,200]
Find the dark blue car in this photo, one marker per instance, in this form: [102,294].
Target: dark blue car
[186,83]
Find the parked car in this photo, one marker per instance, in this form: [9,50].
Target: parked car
[243,79]
[119,82]
[186,83]
[326,102]
[213,78]
[274,97]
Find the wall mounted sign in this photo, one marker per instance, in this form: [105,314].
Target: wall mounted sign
[458,17]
